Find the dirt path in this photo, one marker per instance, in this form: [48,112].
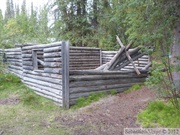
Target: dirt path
[109,116]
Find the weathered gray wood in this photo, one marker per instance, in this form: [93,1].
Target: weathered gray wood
[42,78]
[53,64]
[114,60]
[105,72]
[83,48]
[34,60]
[147,66]
[39,82]
[106,77]
[53,70]
[100,87]
[119,41]
[52,55]
[15,67]
[84,54]
[26,55]
[28,63]
[65,73]
[14,57]
[41,62]
[88,84]
[27,67]
[133,59]
[41,46]
[13,53]
[39,73]
[52,91]
[13,50]
[46,94]
[58,59]
[130,59]
[52,49]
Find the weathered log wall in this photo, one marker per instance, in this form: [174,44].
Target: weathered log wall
[83,83]
[84,58]
[46,78]
[14,61]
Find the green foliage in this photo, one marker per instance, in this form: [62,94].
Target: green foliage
[82,101]
[160,114]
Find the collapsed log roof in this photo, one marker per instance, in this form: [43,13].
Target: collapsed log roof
[124,57]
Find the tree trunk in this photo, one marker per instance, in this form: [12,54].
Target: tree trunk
[176,52]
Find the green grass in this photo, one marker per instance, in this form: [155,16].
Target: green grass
[33,115]
[133,88]
[82,101]
[160,114]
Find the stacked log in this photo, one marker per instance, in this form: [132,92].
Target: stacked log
[14,60]
[84,58]
[46,79]
[83,83]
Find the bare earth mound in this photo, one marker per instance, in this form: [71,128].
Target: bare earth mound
[111,115]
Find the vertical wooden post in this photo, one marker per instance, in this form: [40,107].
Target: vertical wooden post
[101,57]
[65,73]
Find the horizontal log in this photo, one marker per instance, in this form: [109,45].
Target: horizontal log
[14,57]
[82,68]
[27,67]
[82,48]
[52,55]
[85,94]
[53,64]
[84,54]
[14,60]
[101,87]
[42,46]
[28,63]
[39,82]
[109,52]
[27,52]
[46,94]
[84,51]
[19,64]
[26,55]
[53,70]
[52,49]
[84,57]
[56,76]
[52,91]
[42,78]
[56,101]
[18,72]
[58,59]
[13,53]
[104,77]
[15,67]
[84,64]
[13,50]
[88,84]
[27,59]
[106,72]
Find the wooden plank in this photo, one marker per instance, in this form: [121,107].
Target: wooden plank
[13,50]
[65,73]
[26,55]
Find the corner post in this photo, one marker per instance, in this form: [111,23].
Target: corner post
[65,74]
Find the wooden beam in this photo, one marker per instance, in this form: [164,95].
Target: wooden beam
[65,73]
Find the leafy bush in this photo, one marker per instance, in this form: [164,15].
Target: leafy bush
[160,114]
